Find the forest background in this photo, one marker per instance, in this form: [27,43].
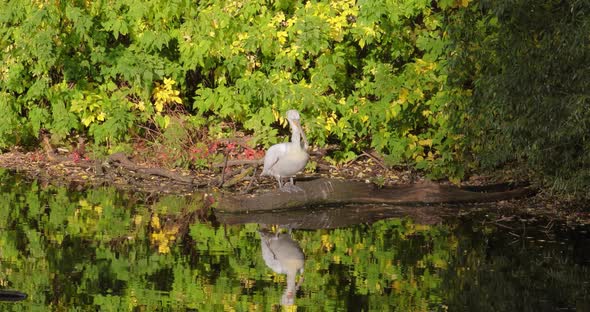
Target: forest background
[448,87]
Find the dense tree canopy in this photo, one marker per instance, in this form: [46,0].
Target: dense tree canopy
[527,64]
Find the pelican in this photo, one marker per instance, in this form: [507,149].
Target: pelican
[284,256]
[286,159]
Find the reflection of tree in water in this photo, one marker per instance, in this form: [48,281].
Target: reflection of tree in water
[93,249]
[533,269]
[284,256]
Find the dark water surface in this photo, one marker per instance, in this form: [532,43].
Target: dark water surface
[102,250]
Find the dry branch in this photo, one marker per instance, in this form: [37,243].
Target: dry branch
[239,162]
[121,160]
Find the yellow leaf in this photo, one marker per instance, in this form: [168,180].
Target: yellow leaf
[419,93]
[164,248]
[159,106]
[169,82]
[140,106]
[283,121]
[282,37]
[101,116]
[422,227]
[425,142]
[176,99]
[155,221]
[166,122]
[403,95]
[88,120]
[455,180]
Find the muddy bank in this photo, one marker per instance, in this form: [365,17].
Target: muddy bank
[242,180]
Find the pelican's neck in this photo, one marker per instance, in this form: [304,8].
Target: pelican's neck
[291,275]
[296,135]
[288,297]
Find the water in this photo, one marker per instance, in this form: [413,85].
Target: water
[100,250]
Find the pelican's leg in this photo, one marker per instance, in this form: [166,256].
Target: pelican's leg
[280,182]
[291,187]
[290,183]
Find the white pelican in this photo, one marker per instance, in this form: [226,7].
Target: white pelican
[286,159]
[284,256]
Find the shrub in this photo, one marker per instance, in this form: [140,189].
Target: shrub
[367,74]
[526,62]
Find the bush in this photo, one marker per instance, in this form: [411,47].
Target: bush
[364,75]
[526,62]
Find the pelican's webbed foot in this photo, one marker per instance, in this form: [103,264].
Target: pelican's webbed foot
[290,188]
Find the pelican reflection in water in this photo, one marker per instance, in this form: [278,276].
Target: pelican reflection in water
[287,159]
[284,256]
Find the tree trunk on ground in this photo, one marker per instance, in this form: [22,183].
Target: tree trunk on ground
[330,192]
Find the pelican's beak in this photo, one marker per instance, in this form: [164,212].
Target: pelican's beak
[298,126]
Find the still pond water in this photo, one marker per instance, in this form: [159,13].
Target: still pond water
[102,250]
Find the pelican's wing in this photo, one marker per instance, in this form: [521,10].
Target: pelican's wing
[272,156]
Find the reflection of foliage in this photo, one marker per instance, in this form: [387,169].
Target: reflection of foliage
[389,264]
[162,236]
[103,250]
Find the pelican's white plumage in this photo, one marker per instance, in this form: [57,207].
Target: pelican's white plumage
[284,256]
[287,159]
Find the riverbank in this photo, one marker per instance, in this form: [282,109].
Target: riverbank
[242,178]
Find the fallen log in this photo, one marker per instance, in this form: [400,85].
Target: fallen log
[331,191]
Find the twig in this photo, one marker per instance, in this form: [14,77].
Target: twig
[375,158]
[243,142]
[121,160]
[250,183]
[502,225]
[223,170]
[149,130]
[238,177]
[239,162]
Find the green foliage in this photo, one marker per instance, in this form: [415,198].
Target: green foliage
[87,67]
[429,84]
[525,62]
[364,75]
